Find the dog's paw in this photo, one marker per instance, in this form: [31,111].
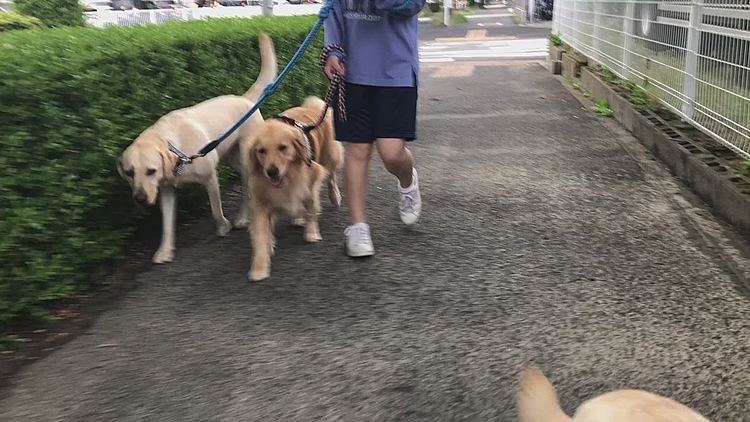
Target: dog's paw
[298,222]
[242,223]
[162,256]
[313,237]
[258,275]
[223,228]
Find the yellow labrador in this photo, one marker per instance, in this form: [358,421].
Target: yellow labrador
[287,166]
[149,166]
[538,402]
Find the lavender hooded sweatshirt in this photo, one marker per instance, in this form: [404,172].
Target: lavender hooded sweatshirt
[380,40]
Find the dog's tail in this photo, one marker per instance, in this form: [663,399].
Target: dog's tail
[537,399]
[268,68]
[314,102]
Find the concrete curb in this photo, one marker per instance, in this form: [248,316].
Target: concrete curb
[726,191]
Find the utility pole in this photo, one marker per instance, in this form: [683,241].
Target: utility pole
[447,4]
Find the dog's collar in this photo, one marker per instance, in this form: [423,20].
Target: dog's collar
[305,130]
[182,159]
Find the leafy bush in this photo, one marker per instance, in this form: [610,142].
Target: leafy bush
[602,107]
[555,40]
[53,13]
[71,100]
[11,20]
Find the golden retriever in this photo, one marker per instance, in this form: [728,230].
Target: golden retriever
[149,166]
[287,170]
[538,402]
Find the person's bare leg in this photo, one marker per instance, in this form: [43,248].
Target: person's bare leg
[397,159]
[356,166]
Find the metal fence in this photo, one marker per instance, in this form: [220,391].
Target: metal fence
[693,55]
[142,17]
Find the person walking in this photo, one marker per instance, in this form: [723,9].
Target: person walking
[373,46]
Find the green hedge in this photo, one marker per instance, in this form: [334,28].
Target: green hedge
[53,13]
[71,100]
[12,20]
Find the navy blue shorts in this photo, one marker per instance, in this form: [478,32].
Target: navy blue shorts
[374,112]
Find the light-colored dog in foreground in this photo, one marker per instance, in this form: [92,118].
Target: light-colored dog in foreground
[149,166]
[538,402]
[287,166]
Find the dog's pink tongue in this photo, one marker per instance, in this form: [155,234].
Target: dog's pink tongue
[276,182]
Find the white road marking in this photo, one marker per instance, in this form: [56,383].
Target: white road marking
[495,15]
[437,60]
[478,49]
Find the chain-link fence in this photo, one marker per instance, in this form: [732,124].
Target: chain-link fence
[693,55]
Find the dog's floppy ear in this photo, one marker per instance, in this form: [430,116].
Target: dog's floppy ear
[120,170]
[300,148]
[168,163]
[250,156]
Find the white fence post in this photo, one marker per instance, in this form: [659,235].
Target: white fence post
[555,16]
[597,32]
[628,27]
[530,11]
[267,7]
[691,61]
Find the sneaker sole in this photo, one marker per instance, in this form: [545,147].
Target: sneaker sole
[359,255]
[363,255]
[412,223]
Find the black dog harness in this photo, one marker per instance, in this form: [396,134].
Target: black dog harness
[305,130]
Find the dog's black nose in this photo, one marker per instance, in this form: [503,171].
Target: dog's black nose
[272,172]
[141,197]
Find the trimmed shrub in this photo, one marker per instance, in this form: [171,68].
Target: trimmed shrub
[71,100]
[10,21]
[53,13]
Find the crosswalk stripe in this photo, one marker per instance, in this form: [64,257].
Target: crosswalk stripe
[483,48]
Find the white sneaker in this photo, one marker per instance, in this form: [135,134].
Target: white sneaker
[410,202]
[358,241]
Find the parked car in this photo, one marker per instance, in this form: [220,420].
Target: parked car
[156,4]
[97,5]
[233,2]
[123,4]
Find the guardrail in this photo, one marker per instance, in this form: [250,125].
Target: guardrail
[693,55]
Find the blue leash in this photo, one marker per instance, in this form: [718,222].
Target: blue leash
[271,89]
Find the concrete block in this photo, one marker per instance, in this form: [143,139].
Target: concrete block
[555,67]
[571,67]
[555,53]
[716,184]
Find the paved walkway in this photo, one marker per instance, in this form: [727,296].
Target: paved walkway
[549,236]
